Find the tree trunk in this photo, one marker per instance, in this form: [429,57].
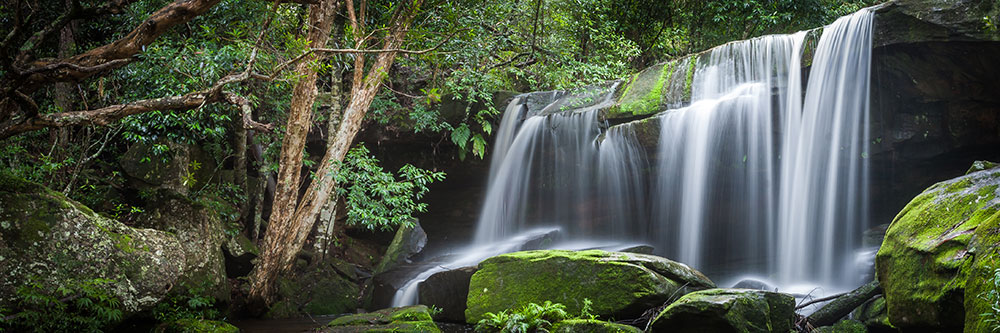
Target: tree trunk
[280,229]
[288,228]
[328,214]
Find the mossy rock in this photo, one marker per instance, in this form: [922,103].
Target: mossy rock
[591,326]
[196,326]
[728,310]
[937,253]
[416,318]
[642,94]
[52,240]
[620,285]
[844,326]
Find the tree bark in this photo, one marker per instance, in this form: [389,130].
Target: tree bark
[290,162]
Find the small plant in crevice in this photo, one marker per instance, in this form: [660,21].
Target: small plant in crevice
[992,298]
[79,306]
[195,304]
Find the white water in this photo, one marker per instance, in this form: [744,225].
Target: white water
[750,178]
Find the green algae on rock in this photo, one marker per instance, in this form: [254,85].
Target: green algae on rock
[416,318]
[619,284]
[728,310]
[937,252]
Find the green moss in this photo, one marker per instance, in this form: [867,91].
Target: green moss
[591,326]
[617,288]
[644,93]
[197,326]
[689,78]
[415,318]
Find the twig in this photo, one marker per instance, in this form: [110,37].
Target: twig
[819,300]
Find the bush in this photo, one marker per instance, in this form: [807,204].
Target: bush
[85,306]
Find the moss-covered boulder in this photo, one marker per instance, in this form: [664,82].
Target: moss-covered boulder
[728,310]
[196,326]
[844,326]
[655,89]
[415,318]
[591,326]
[329,287]
[52,240]
[620,285]
[938,253]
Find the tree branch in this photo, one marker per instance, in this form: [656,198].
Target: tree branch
[177,12]
[105,115]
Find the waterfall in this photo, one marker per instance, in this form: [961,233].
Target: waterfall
[757,175]
[824,179]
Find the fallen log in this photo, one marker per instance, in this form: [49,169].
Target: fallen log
[843,305]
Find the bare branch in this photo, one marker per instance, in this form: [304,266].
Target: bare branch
[246,111]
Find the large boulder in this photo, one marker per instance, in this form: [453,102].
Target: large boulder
[52,240]
[201,235]
[448,290]
[196,326]
[728,310]
[620,285]
[414,318]
[939,253]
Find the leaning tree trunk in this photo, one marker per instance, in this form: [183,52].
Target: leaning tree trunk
[321,17]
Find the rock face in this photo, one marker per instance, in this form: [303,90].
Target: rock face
[200,233]
[448,291]
[329,288]
[51,239]
[728,310]
[409,241]
[939,253]
[620,285]
[591,326]
[405,319]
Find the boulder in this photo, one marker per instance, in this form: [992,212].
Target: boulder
[414,318]
[409,240]
[448,291]
[591,326]
[52,240]
[201,234]
[620,285]
[239,253]
[728,310]
[331,287]
[196,326]
[939,253]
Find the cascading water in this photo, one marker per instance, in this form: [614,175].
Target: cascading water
[750,178]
